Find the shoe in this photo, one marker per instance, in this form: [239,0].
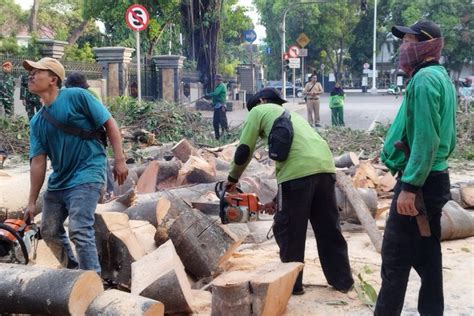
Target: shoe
[344,290]
[317,125]
[298,292]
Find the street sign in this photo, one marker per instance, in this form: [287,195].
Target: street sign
[293,51]
[250,36]
[294,63]
[137,17]
[366,65]
[303,52]
[302,40]
[268,50]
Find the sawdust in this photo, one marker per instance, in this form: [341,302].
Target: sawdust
[319,299]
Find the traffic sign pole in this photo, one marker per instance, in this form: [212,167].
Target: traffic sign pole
[139,75]
[137,19]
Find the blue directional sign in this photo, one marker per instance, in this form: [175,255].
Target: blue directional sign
[250,36]
[269,50]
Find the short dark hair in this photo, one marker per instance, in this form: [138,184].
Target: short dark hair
[76,79]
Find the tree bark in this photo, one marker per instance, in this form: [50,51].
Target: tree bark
[77,32]
[33,18]
[39,290]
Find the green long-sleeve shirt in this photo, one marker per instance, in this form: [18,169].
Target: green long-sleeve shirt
[219,95]
[426,122]
[309,153]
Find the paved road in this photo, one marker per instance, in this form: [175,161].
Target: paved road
[360,112]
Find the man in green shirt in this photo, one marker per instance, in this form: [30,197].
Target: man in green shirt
[426,124]
[7,89]
[219,97]
[306,182]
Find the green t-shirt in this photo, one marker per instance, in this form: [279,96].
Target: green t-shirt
[426,122]
[309,153]
[219,95]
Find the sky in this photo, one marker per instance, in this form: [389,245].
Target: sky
[253,14]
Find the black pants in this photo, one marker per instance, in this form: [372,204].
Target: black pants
[403,248]
[313,198]
[219,120]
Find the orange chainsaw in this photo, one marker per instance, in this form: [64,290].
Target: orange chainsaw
[237,207]
[18,240]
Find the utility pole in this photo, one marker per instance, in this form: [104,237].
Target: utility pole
[374,53]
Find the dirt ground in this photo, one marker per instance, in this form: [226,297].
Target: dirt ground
[319,299]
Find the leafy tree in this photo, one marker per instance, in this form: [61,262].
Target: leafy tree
[11,18]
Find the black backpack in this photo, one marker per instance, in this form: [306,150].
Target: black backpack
[281,137]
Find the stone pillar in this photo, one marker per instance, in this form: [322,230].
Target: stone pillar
[168,69]
[52,48]
[115,62]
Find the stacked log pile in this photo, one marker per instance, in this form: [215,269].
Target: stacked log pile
[161,238]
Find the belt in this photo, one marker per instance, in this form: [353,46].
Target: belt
[313,98]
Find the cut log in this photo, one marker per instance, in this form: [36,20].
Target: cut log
[183,150]
[165,219]
[117,246]
[347,212]
[147,181]
[345,184]
[201,243]
[39,290]
[265,291]
[120,204]
[272,286]
[346,160]
[456,222]
[467,195]
[196,170]
[387,182]
[456,197]
[115,302]
[231,294]
[168,169]
[160,275]
[144,232]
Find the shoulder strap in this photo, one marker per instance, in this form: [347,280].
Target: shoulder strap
[82,133]
[286,114]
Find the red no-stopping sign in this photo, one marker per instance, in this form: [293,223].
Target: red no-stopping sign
[137,17]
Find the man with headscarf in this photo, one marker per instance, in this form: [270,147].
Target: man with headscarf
[306,182]
[7,89]
[425,126]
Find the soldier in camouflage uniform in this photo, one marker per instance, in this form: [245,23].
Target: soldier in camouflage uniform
[7,89]
[31,101]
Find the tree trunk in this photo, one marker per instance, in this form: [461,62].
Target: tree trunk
[38,290]
[117,247]
[115,302]
[201,243]
[33,18]
[77,32]
[345,184]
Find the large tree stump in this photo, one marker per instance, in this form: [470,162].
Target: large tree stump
[231,294]
[201,243]
[115,302]
[183,150]
[345,184]
[39,290]
[265,291]
[272,286]
[117,247]
[160,275]
[144,232]
[456,222]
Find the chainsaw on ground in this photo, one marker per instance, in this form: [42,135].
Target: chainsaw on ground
[18,241]
[237,207]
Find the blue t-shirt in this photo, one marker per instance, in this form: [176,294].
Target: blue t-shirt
[74,160]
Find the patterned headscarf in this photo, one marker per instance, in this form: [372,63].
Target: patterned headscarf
[413,54]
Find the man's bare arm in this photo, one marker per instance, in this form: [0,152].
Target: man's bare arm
[37,175]
[120,167]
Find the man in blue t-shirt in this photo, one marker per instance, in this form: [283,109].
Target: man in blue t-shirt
[78,164]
